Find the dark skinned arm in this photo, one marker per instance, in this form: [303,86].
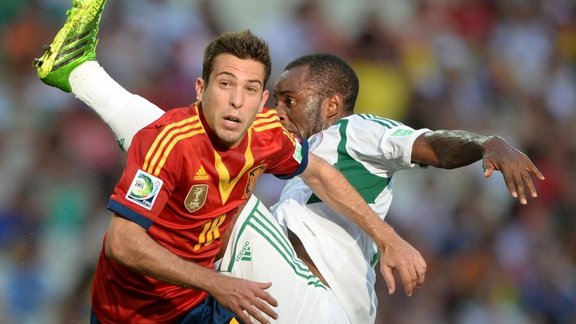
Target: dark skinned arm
[449,149]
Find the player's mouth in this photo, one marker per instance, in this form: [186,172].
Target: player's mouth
[232,121]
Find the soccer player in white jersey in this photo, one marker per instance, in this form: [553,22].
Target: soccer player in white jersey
[315,98]
[316,95]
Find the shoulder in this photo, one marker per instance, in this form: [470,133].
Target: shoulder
[372,124]
[267,120]
[173,120]
[176,115]
[268,130]
[172,127]
[374,120]
[267,125]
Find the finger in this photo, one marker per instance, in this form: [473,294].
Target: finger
[509,180]
[257,315]
[389,279]
[409,279]
[266,296]
[530,184]
[488,171]
[421,271]
[265,308]
[241,314]
[518,184]
[534,170]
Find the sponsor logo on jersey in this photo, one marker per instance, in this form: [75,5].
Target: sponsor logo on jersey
[144,189]
[314,141]
[253,176]
[245,253]
[196,197]
[201,174]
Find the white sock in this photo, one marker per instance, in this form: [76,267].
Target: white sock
[125,113]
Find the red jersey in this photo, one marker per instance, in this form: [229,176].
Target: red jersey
[185,192]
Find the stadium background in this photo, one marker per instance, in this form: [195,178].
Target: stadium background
[505,67]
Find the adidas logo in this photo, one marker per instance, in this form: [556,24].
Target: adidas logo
[245,253]
[201,174]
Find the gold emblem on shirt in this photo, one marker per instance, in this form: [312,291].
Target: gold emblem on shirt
[253,176]
[196,197]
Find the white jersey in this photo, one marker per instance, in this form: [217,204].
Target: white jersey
[260,250]
[368,150]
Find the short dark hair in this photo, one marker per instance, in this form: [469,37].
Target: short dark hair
[329,74]
[242,44]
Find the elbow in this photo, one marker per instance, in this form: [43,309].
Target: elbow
[115,246]
[112,247]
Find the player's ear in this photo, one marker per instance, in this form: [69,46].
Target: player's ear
[334,105]
[200,86]
[265,95]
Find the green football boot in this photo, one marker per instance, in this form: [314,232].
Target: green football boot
[74,44]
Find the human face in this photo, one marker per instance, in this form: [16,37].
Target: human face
[300,108]
[232,97]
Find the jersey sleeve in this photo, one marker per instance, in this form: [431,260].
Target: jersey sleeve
[299,153]
[385,141]
[396,145]
[144,187]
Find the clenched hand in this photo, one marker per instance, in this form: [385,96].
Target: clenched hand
[398,255]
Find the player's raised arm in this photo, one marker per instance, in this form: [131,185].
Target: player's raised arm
[331,186]
[449,149]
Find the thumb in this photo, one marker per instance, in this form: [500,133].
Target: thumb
[488,171]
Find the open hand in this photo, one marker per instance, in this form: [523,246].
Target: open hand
[517,169]
[245,298]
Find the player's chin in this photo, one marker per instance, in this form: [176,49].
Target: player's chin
[232,137]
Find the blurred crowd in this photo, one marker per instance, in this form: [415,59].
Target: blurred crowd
[502,67]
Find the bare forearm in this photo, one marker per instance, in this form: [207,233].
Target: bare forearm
[333,188]
[454,148]
[128,244]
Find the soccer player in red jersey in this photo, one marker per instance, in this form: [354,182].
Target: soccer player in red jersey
[187,175]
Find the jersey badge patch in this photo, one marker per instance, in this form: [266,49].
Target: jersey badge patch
[297,151]
[253,177]
[144,189]
[314,141]
[196,197]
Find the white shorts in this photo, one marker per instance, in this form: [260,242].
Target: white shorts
[337,256]
[259,250]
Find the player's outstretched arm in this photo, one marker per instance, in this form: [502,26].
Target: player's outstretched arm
[333,188]
[449,149]
[128,244]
